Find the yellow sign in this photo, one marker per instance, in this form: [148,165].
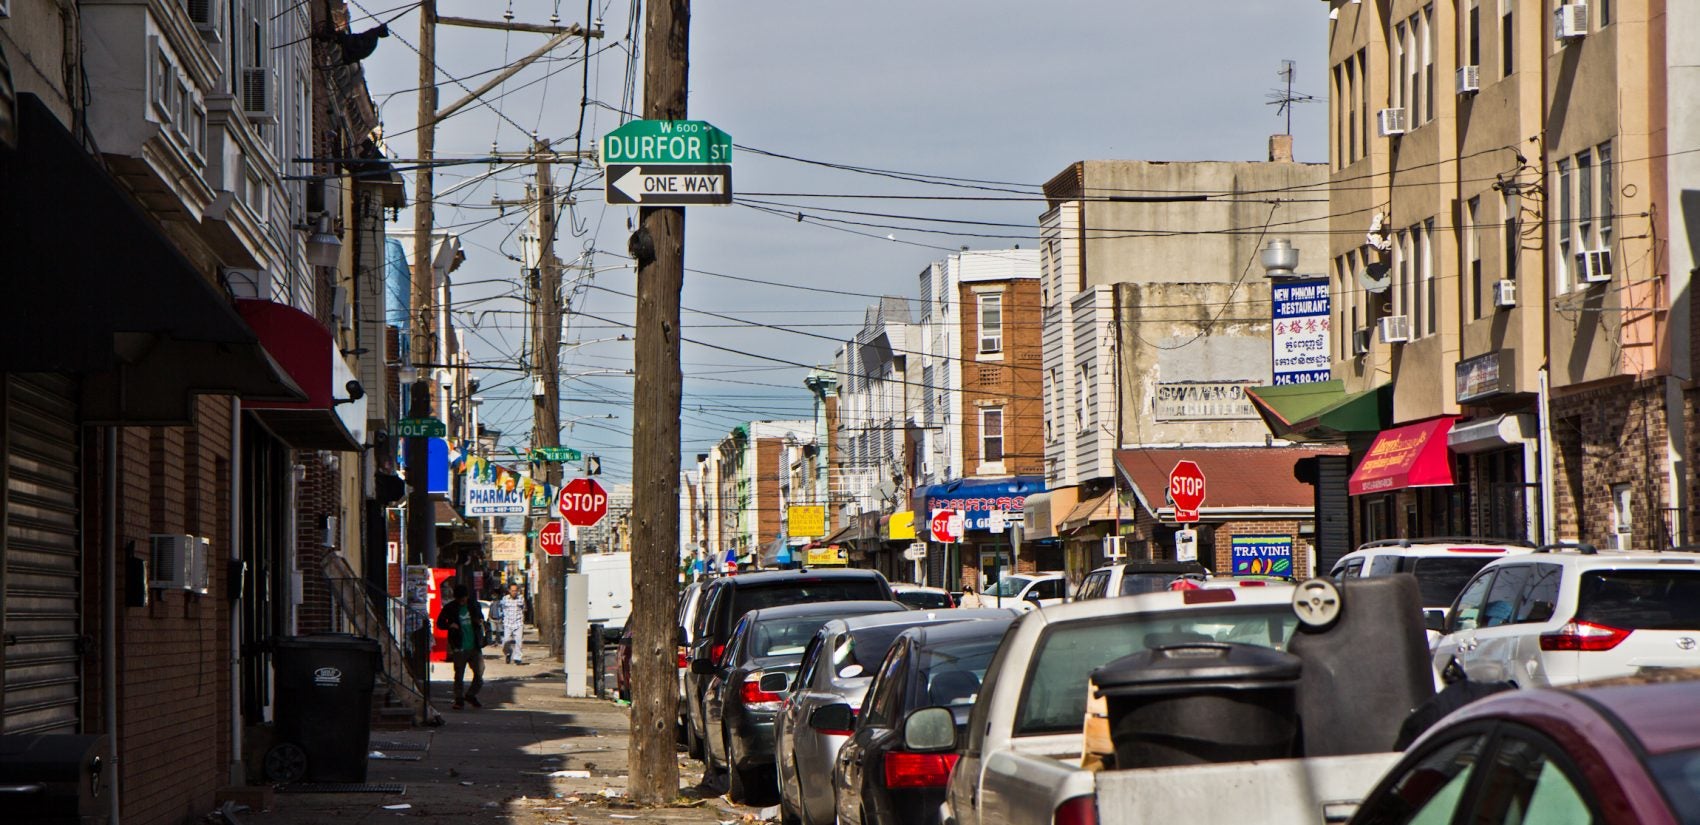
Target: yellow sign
[507,547]
[903,526]
[828,557]
[806,521]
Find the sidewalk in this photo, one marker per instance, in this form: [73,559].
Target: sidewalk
[494,764]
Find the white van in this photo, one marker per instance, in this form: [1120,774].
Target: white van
[610,584]
[1442,565]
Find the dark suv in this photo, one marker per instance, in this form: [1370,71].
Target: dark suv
[726,600]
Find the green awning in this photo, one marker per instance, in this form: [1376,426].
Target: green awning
[1323,410]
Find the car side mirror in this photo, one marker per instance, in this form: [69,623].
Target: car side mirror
[1031,596]
[930,729]
[702,666]
[774,682]
[684,636]
[835,719]
[1435,620]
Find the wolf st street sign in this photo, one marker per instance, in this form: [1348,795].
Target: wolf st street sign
[667,163]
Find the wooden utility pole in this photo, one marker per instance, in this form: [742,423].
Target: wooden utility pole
[659,247]
[421,514]
[546,400]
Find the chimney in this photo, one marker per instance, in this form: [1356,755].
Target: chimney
[1280,148]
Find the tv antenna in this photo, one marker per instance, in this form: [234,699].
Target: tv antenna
[1284,99]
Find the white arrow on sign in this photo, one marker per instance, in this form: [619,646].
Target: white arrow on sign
[638,184]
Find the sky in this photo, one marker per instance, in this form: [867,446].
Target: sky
[1007,94]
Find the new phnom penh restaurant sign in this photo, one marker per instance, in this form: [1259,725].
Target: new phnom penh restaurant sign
[1300,331]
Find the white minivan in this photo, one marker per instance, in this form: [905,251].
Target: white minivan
[1575,614]
[610,588]
[1442,565]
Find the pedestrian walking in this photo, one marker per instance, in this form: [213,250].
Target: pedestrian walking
[969,597]
[467,638]
[512,607]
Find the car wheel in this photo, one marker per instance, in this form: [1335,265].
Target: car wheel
[786,815]
[693,745]
[736,782]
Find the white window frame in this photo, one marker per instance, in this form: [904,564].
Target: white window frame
[1622,515]
[1400,56]
[1566,275]
[1608,201]
[1082,382]
[1473,256]
[983,301]
[986,437]
[1431,294]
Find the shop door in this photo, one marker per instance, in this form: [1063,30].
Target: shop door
[41,562]
[266,470]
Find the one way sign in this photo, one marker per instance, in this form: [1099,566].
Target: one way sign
[669,184]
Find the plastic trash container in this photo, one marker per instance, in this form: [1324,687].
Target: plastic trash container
[324,708]
[1199,702]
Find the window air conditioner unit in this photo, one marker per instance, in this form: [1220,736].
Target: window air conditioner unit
[1595,266]
[204,14]
[1570,21]
[5,9]
[257,94]
[1395,329]
[1505,294]
[1360,341]
[171,562]
[1390,122]
[1113,547]
[200,566]
[1469,79]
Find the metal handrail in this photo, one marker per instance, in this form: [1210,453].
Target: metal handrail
[358,600]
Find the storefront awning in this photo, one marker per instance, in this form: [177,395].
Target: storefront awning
[1495,433]
[334,415]
[1256,482]
[96,289]
[977,499]
[1099,508]
[1321,411]
[1414,455]
[844,534]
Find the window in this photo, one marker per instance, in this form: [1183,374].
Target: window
[1541,595]
[1402,60]
[1566,216]
[991,323]
[1402,273]
[1363,96]
[1608,199]
[991,434]
[1501,604]
[1425,264]
[1428,63]
[1513,236]
[1507,35]
[1345,118]
[1429,790]
[162,83]
[1622,514]
[1605,12]
[1082,380]
[1473,34]
[1473,255]
[1467,611]
[1585,200]
[1523,784]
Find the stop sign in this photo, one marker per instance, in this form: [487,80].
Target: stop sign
[552,539]
[583,502]
[1186,490]
[946,526]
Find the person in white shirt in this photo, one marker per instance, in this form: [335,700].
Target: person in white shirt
[512,610]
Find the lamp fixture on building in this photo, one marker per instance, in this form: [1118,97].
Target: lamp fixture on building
[323,246]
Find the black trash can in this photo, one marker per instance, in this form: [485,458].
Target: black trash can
[1200,702]
[324,708]
[54,778]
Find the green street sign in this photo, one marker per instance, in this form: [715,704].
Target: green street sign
[554,454]
[420,428]
[692,142]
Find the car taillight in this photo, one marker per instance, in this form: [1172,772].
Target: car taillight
[757,699]
[918,770]
[716,652]
[1254,583]
[1587,636]
[1081,810]
[684,658]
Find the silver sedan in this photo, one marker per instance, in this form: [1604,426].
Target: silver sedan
[820,711]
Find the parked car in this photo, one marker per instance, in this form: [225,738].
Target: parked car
[689,600]
[894,768]
[923,598]
[840,662]
[609,586]
[725,600]
[1574,614]
[1610,755]
[623,666]
[1135,577]
[1442,565]
[748,686]
[1025,591]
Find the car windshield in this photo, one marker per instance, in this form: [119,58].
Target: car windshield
[953,674]
[783,637]
[860,652]
[1641,599]
[923,598]
[1440,580]
[1054,698]
[1008,586]
[804,590]
[1678,773]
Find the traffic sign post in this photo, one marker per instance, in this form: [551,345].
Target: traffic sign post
[1186,490]
[555,454]
[667,163]
[552,539]
[420,428]
[583,502]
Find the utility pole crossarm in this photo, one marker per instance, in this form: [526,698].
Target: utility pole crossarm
[496,79]
[574,30]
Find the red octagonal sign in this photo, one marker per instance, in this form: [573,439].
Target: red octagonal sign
[583,502]
[552,539]
[1186,490]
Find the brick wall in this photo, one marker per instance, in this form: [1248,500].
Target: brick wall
[1014,382]
[1604,437]
[767,517]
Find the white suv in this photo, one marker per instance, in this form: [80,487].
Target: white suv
[1442,565]
[1574,614]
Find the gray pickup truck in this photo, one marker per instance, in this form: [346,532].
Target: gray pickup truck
[1355,660]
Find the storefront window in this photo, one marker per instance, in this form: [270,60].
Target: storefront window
[1505,499]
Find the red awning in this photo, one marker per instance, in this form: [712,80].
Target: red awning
[330,418]
[1414,455]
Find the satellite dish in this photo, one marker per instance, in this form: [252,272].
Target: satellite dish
[1375,278]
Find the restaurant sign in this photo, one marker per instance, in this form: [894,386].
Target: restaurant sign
[1212,401]
[1485,376]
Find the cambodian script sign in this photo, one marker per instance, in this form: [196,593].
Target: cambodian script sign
[1300,336]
